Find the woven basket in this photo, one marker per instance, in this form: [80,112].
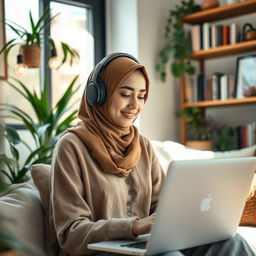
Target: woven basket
[249,213]
[32,55]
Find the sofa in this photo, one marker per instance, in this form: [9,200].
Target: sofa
[24,204]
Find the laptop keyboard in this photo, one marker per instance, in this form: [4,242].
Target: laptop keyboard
[140,245]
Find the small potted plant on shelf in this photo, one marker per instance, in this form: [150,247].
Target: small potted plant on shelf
[199,130]
[30,41]
[177,44]
[225,138]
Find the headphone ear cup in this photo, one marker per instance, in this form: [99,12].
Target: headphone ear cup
[102,92]
[96,93]
[92,94]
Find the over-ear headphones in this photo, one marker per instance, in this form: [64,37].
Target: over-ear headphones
[96,92]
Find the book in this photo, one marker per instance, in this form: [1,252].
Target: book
[218,82]
[206,39]
[224,87]
[208,89]
[225,34]
[201,37]
[244,136]
[233,33]
[238,136]
[195,37]
[213,36]
[200,87]
[231,82]
[214,87]
[219,35]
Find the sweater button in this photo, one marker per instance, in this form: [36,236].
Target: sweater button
[132,192]
[129,203]
[129,213]
[128,181]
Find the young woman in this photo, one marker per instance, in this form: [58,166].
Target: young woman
[105,178]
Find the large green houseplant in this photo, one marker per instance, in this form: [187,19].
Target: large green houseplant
[15,171]
[177,44]
[33,38]
[50,122]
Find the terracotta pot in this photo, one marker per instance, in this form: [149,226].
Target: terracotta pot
[10,253]
[208,4]
[200,144]
[32,55]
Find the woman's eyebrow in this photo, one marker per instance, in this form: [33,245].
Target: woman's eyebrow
[130,88]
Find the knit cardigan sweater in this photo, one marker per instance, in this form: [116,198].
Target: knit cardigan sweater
[88,205]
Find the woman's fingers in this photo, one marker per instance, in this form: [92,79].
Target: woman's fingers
[143,226]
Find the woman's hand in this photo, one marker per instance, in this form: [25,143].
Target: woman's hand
[143,226]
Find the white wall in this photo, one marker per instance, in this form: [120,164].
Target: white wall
[137,27]
[158,121]
[122,26]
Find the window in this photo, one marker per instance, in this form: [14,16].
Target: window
[73,26]
[19,15]
[79,24]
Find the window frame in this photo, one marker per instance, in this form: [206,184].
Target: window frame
[98,26]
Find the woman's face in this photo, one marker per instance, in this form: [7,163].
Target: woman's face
[128,100]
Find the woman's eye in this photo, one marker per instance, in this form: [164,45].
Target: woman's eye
[141,97]
[125,95]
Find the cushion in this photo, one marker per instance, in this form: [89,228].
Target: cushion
[41,177]
[249,213]
[21,203]
[167,151]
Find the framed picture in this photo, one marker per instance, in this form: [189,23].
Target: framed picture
[245,75]
[3,67]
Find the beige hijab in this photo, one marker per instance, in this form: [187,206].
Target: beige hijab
[116,149]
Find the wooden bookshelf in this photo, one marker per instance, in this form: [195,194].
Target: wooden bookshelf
[225,50]
[216,14]
[221,103]
[223,12]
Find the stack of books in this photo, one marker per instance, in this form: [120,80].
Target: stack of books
[245,135]
[219,86]
[205,36]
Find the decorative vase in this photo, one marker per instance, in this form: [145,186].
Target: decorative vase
[10,253]
[200,144]
[32,55]
[208,4]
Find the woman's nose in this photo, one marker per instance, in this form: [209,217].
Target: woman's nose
[133,103]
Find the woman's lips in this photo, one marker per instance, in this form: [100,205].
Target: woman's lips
[129,115]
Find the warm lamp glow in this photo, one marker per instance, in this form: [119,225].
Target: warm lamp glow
[20,68]
[54,61]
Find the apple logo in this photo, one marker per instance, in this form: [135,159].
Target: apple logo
[206,203]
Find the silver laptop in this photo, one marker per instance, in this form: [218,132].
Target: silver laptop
[201,202]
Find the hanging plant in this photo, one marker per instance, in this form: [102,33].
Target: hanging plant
[32,39]
[177,46]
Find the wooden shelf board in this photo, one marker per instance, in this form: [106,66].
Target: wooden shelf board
[223,12]
[220,103]
[225,50]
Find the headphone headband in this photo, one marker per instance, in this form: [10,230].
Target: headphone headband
[96,90]
[106,60]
